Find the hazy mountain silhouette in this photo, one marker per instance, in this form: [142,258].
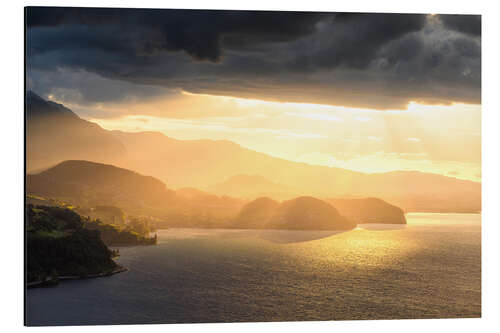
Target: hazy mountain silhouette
[54,134]
[199,202]
[369,210]
[202,163]
[252,186]
[308,213]
[193,193]
[90,184]
[302,213]
[256,214]
[94,184]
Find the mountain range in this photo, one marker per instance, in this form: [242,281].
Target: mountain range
[301,213]
[91,185]
[369,210]
[55,134]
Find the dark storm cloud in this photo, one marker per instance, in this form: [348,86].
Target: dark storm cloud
[469,24]
[354,39]
[365,60]
[197,32]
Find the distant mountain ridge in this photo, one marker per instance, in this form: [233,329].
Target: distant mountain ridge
[55,134]
[38,107]
[308,213]
[256,214]
[99,184]
[302,213]
[202,163]
[88,184]
[251,186]
[369,210]
[91,184]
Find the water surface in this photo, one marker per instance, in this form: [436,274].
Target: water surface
[430,268]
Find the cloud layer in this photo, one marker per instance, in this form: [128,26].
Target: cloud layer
[380,61]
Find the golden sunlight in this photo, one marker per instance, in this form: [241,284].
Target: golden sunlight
[427,138]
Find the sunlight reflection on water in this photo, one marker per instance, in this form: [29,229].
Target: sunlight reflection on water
[428,269]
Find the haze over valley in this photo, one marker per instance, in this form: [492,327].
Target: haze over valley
[56,134]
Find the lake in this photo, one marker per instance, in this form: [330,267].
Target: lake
[430,268]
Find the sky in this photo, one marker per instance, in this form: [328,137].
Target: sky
[366,92]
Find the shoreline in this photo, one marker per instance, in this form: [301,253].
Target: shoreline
[50,282]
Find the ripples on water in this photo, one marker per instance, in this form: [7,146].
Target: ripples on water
[430,268]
